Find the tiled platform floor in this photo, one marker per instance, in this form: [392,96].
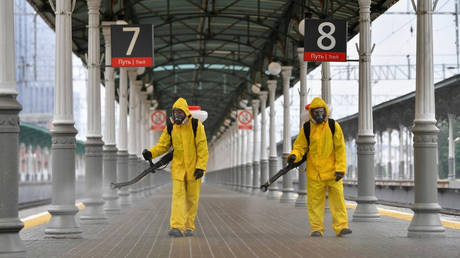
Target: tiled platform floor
[232,224]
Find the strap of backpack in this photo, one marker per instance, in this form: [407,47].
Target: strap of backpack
[169,126]
[331,123]
[306,131]
[194,126]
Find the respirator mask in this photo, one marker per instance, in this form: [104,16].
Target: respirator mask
[318,114]
[178,116]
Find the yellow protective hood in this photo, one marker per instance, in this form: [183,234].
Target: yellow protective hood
[316,103]
[181,104]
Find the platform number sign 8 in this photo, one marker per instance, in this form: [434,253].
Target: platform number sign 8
[325,40]
[326,35]
[132,45]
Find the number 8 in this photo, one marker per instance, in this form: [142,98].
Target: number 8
[326,35]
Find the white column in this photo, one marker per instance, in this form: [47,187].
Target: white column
[273,159]
[63,223]
[401,152]
[326,82]
[380,156]
[94,81]
[248,165]
[426,221]
[407,150]
[146,128]
[122,155]
[235,157]
[389,165]
[366,209]
[263,138]
[151,133]
[7,49]
[302,184]
[451,154]
[109,119]
[243,158]
[132,139]
[110,151]
[132,74]
[138,151]
[288,187]
[232,156]
[236,137]
[123,112]
[139,116]
[94,204]
[10,225]
[411,155]
[256,145]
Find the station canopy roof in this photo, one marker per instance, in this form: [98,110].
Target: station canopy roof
[211,52]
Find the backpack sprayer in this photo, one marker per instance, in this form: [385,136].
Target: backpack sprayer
[152,169]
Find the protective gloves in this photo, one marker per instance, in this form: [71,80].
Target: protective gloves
[198,173]
[147,154]
[290,159]
[339,175]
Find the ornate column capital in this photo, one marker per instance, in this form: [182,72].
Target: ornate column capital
[271,85]
[138,84]
[94,5]
[300,54]
[106,31]
[109,74]
[132,74]
[255,105]
[263,97]
[364,4]
[286,70]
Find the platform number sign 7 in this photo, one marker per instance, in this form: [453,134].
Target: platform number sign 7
[132,45]
[325,40]
[136,30]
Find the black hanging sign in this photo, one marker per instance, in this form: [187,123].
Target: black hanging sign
[325,40]
[132,45]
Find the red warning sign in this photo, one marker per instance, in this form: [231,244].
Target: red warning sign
[158,120]
[244,119]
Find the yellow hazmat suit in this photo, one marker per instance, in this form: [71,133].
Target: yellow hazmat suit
[326,156]
[190,153]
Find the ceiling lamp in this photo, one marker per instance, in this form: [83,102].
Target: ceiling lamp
[274,68]
[256,88]
[302,27]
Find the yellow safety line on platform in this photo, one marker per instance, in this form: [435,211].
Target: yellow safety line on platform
[42,218]
[407,216]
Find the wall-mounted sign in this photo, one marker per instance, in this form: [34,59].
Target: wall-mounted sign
[132,45]
[158,120]
[244,118]
[325,40]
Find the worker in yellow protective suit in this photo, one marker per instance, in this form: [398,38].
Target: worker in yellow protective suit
[187,167]
[326,165]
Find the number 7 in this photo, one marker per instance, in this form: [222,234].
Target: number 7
[133,40]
